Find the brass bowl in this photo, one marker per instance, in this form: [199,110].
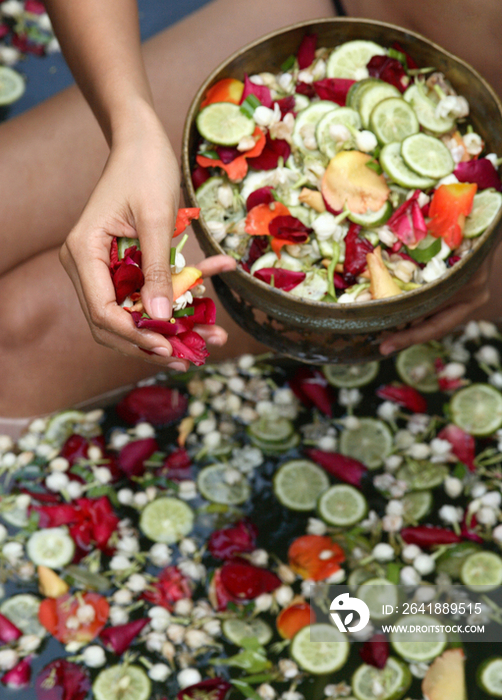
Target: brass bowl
[340,333]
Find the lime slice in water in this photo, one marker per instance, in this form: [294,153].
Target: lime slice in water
[166,520]
[422,475]
[235,630]
[52,547]
[388,683]
[482,571]
[351,376]
[490,676]
[477,409]
[370,443]
[418,646]
[215,486]
[297,484]
[417,505]
[415,366]
[349,60]
[342,505]
[22,611]
[427,156]
[12,86]
[485,208]
[320,657]
[223,123]
[122,682]
[393,120]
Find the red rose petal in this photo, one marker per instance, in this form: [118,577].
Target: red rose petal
[159,405]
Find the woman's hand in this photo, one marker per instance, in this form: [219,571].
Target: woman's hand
[137,196]
[457,310]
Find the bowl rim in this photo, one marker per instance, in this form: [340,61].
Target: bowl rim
[302,303]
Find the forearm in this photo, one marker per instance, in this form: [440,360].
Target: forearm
[101,43]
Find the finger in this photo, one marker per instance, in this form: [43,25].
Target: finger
[216,264]
[431,329]
[214,335]
[155,231]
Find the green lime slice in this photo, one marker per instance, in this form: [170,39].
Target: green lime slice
[216,487]
[14,515]
[489,676]
[393,120]
[417,505]
[378,593]
[452,560]
[52,547]
[426,249]
[372,218]
[427,156]
[61,425]
[320,657]
[308,120]
[351,376]
[411,645]
[372,96]
[477,409]
[344,116]
[370,443]
[166,520]
[422,475]
[358,89]
[349,60]
[485,208]
[122,682]
[207,199]
[22,611]
[12,86]
[342,505]
[297,484]
[425,109]
[276,447]
[388,683]
[236,630]
[358,576]
[223,123]
[269,430]
[394,166]
[482,571]
[416,367]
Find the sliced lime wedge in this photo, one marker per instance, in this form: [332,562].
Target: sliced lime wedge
[370,443]
[52,547]
[12,86]
[393,120]
[388,683]
[236,630]
[482,571]
[378,593]
[422,475]
[320,657]
[411,645]
[344,116]
[427,156]
[297,484]
[349,60]
[417,505]
[351,376]
[22,611]
[166,520]
[416,367]
[489,676]
[122,682]
[425,109]
[215,486]
[485,208]
[371,96]
[223,123]
[394,166]
[342,506]
[477,409]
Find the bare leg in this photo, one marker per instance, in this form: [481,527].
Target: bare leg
[51,159]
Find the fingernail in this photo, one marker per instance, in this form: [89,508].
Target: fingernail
[387,349]
[161,307]
[177,366]
[215,340]
[162,351]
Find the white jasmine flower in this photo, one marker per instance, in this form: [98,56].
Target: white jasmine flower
[497,534]
[394,507]
[160,555]
[160,618]
[94,656]
[187,490]
[12,551]
[225,193]
[393,462]
[316,527]
[187,546]
[192,569]
[176,633]
[496,380]
[409,576]
[217,230]
[196,408]
[118,616]
[410,552]
[195,639]
[488,329]
[366,141]
[8,659]
[136,583]
[283,595]
[473,143]
[383,552]
[452,106]
[103,475]
[57,481]
[74,489]
[9,55]
[119,562]
[434,269]
[489,355]
[349,397]
[392,523]
[419,670]
[188,677]
[12,8]
[420,450]
[85,614]
[183,607]
[159,672]
[336,577]
[440,448]
[387,410]
[28,643]
[259,557]
[155,641]
[3,533]
[146,430]
[478,489]
[403,439]
[327,443]
[453,486]
[213,628]
[291,694]
[492,499]
[140,499]
[453,370]
[207,425]
[418,423]
[263,602]
[486,516]
[450,514]
[122,597]
[119,439]
[424,564]
[59,464]
[266,692]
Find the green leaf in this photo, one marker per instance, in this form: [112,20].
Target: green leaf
[187,311]
[393,570]
[246,690]
[460,470]
[249,105]
[288,63]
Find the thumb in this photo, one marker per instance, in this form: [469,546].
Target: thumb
[155,235]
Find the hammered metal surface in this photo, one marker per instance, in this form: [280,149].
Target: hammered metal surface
[340,333]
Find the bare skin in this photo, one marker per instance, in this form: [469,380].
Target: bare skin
[53,156]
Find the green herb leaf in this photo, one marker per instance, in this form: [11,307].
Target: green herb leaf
[187,311]
[288,63]
[249,105]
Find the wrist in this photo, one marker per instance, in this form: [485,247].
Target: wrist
[132,120]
